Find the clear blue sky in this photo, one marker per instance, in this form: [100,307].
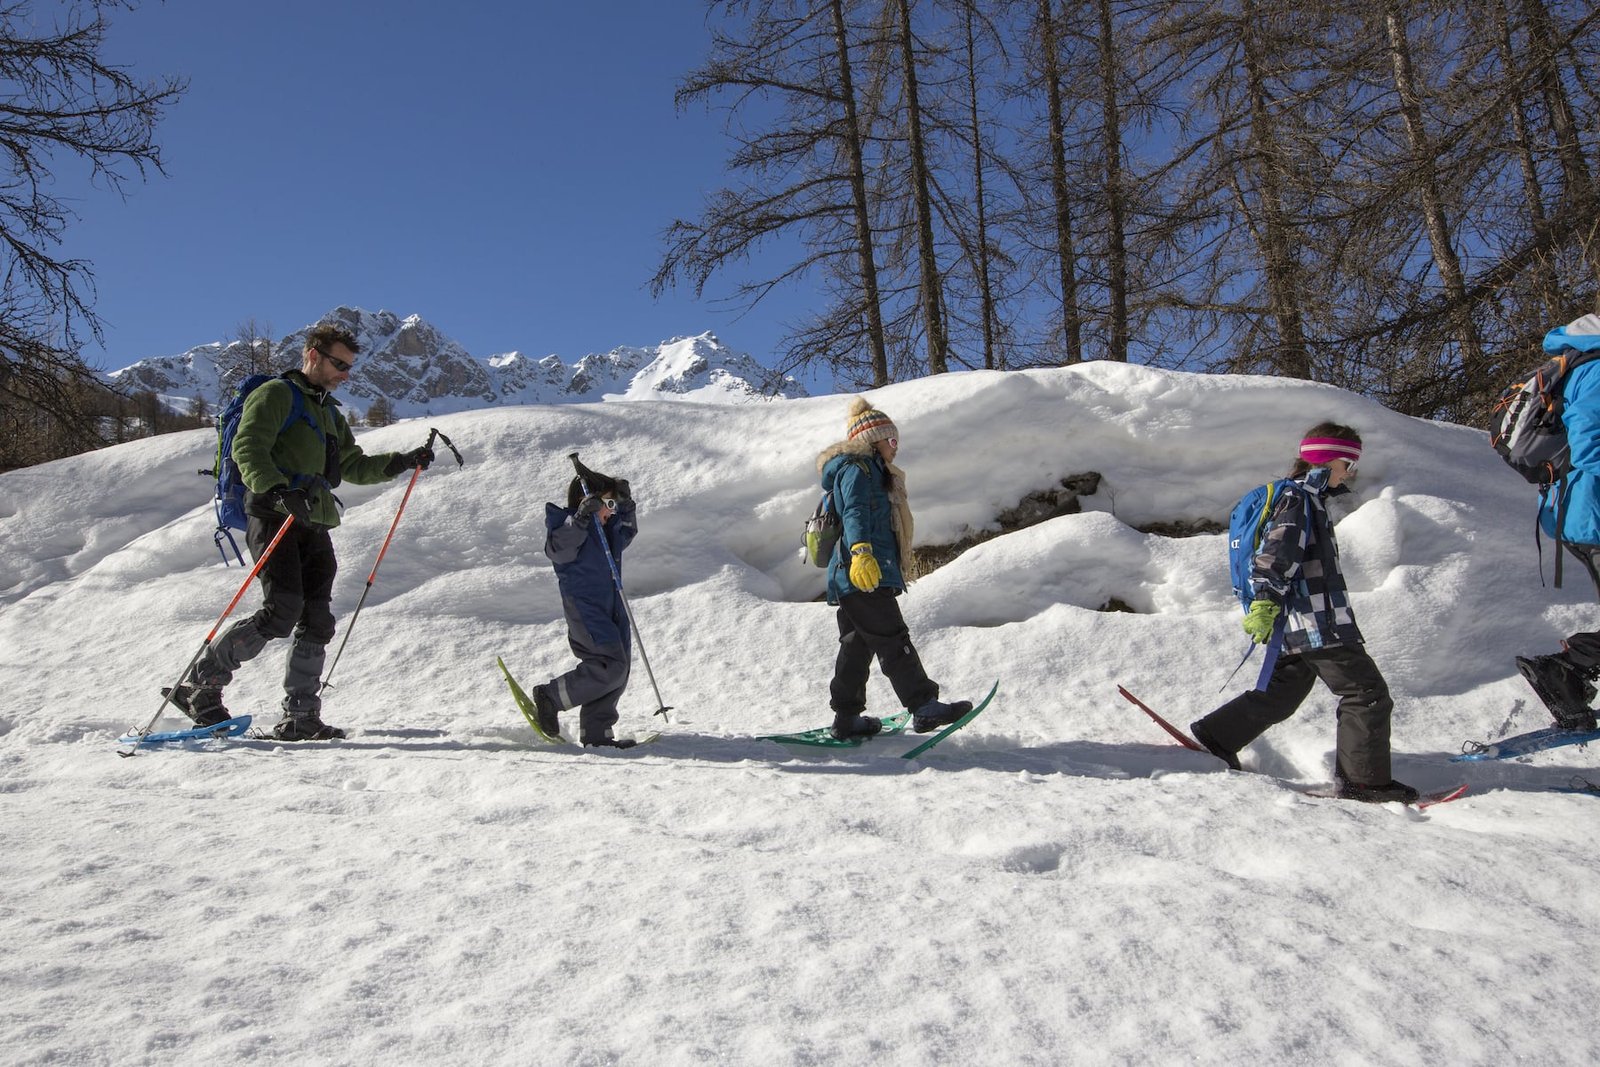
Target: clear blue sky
[502,169]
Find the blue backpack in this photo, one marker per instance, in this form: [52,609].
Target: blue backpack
[1246,526]
[229,500]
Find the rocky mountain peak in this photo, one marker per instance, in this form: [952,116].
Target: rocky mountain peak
[420,371]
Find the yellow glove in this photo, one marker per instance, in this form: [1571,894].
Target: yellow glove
[864,572]
[1258,622]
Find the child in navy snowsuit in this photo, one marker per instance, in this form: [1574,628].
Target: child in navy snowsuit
[597,617]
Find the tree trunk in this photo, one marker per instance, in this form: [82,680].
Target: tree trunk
[858,189]
[1066,256]
[1445,259]
[1111,145]
[1292,357]
[1578,182]
[1546,281]
[930,285]
[980,201]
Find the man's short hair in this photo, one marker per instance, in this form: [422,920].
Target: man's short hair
[324,335]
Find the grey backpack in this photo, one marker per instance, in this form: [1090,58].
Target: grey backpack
[823,529]
[821,534]
[1527,429]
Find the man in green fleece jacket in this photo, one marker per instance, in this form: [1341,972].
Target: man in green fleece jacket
[290,465]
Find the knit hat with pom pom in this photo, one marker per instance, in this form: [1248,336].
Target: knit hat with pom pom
[866,423]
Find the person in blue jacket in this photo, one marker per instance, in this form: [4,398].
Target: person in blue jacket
[597,618]
[1565,680]
[871,566]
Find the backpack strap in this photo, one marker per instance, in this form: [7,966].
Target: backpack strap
[1266,515]
[221,532]
[298,412]
[1563,495]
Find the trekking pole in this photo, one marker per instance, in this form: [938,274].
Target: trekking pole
[1269,662]
[415,471]
[616,576]
[166,696]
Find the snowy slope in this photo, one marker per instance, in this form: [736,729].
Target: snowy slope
[1058,884]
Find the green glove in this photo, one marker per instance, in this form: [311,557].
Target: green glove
[1259,619]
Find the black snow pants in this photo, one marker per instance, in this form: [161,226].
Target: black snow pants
[870,624]
[1365,708]
[296,599]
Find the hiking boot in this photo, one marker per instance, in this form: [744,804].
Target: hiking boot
[1225,755]
[1377,794]
[934,714]
[848,724]
[305,728]
[607,741]
[203,704]
[1562,687]
[546,713]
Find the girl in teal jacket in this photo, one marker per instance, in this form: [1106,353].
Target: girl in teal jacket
[871,566]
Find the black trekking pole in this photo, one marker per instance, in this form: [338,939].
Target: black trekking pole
[372,577]
[584,474]
[1269,661]
[166,694]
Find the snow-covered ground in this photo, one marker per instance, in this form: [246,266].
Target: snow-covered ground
[1057,884]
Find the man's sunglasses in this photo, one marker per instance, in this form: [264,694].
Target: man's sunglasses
[336,361]
[609,502]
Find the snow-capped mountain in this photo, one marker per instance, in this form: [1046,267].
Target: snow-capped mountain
[423,372]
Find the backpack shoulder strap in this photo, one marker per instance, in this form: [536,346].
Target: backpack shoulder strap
[1276,490]
[298,410]
[1273,492]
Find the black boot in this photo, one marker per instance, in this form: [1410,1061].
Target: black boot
[1563,687]
[1377,794]
[1199,731]
[607,741]
[305,728]
[546,713]
[203,704]
[934,714]
[848,724]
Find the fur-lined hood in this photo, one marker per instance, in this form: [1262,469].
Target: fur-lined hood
[864,449]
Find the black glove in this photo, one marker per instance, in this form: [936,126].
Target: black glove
[294,502]
[401,462]
[622,489]
[588,506]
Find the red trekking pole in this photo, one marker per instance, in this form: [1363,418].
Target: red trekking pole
[372,577]
[166,695]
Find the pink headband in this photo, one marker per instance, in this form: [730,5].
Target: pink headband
[1320,451]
